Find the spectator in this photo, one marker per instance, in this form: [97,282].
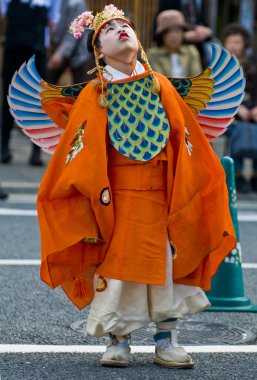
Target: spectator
[172,57]
[67,51]
[25,34]
[199,33]
[237,40]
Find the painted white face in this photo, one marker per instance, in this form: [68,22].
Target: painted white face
[118,39]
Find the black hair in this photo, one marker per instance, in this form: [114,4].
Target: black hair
[232,29]
[90,47]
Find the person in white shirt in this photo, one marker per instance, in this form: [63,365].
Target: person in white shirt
[172,56]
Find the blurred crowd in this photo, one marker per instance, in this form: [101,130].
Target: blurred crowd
[181,48]
[39,27]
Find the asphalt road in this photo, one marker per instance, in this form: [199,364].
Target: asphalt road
[33,314]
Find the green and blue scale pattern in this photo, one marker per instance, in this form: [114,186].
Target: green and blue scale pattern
[137,123]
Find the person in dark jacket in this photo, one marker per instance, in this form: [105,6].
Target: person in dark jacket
[237,40]
[25,35]
[68,52]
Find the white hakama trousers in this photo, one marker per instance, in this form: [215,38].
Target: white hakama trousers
[124,307]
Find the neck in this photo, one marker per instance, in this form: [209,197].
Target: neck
[127,66]
[173,49]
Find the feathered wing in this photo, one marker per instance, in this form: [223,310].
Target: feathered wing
[215,95]
[40,109]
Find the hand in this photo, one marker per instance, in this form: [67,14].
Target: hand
[198,34]
[244,113]
[254,114]
[55,61]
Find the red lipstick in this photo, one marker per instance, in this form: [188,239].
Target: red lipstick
[124,36]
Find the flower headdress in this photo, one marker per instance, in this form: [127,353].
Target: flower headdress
[86,20]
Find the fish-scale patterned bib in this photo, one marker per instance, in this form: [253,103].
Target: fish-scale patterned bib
[137,123]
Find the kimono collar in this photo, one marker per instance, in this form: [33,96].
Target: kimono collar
[118,75]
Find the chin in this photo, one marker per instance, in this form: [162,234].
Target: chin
[132,45]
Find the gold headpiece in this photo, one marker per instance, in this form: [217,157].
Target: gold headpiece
[87,21]
[110,12]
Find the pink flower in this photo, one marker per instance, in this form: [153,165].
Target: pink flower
[111,8]
[83,21]
[87,17]
[77,35]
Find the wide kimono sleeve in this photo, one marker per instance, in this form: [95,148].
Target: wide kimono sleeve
[74,203]
[199,224]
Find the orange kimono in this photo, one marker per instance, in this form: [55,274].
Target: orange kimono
[82,207]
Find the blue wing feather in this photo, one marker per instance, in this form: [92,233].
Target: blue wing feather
[28,78]
[220,63]
[229,85]
[215,55]
[227,103]
[26,107]
[31,67]
[19,95]
[17,104]
[25,115]
[220,113]
[234,78]
[34,124]
[227,71]
[21,85]
[215,95]
[236,88]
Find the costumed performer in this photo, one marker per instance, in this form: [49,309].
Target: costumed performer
[133,208]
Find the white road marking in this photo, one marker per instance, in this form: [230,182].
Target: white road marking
[249,265]
[37,262]
[17,212]
[242,216]
[19,262]
[20,185]
[22,199]
[247,217]
[33,348]
[30,197]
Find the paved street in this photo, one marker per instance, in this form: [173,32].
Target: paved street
[41,331]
